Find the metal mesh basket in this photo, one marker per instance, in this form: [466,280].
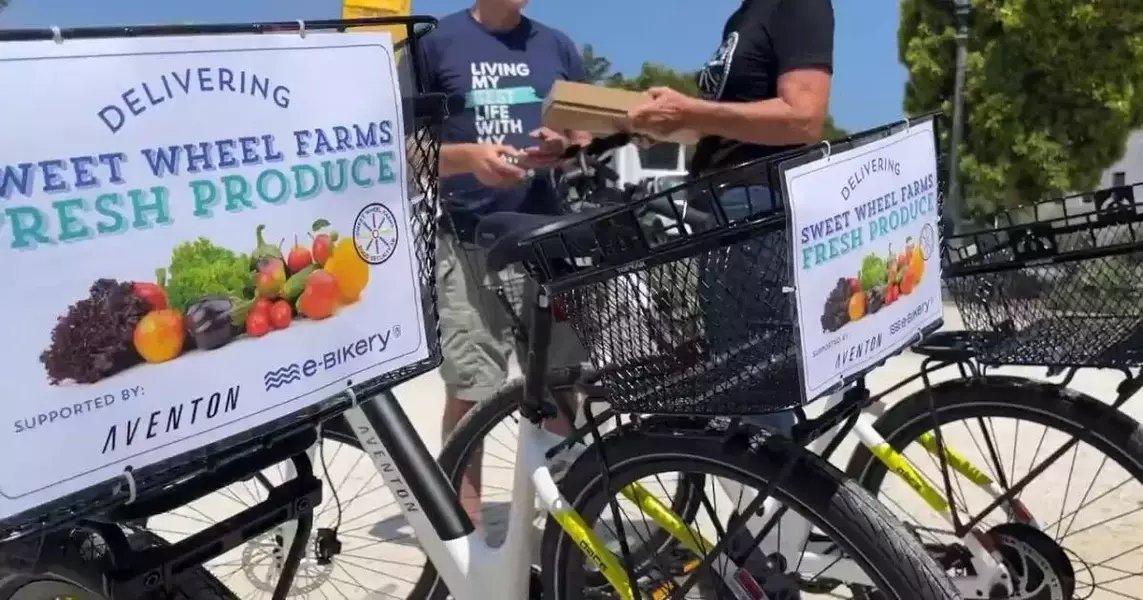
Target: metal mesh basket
[1060,281]
[424,115]
[693,324]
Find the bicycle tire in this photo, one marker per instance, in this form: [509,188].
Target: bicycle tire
[1108,430]
[826,497]
[336,429]
[474,427]
[72,568]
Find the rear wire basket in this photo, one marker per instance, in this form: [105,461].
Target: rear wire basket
[1055,284]
[693,324]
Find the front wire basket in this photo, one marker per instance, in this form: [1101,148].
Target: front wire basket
[693,324]
[1059,281]
[424,115]
[685,313]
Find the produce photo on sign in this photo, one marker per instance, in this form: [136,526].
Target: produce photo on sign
[207,297]
[881,281]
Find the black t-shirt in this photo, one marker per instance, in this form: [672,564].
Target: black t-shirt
[762,40]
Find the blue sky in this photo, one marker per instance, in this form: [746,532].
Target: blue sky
[868,85]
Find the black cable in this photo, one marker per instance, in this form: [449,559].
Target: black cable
[332,488]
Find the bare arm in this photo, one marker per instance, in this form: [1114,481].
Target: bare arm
[796,116]
[456,159]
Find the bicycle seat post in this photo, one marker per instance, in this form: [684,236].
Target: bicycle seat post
[534,405]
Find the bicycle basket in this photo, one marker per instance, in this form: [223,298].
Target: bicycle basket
[693,324]
[1059,281]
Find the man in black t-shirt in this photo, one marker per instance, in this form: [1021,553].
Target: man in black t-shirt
[765,90]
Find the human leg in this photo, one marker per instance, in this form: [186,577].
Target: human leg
[475,344]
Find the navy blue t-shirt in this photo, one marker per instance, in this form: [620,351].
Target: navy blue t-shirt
[503,77]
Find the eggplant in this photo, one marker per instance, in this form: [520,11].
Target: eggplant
[209,322]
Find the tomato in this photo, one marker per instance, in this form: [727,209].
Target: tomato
[257,323]
[321,296]
[159,335]
[151,293]
[281,314]
[262,304]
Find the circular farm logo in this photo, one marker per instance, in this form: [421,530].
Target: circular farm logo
[375,234]
[928,240]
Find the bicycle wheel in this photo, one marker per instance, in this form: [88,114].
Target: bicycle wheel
[1082,549]
[72,569]
[490,428]
[361,546]
[859,528]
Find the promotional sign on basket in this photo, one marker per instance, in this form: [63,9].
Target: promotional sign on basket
[865,253]
[200,235]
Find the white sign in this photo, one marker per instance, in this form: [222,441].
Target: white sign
[126,156]
[865,253]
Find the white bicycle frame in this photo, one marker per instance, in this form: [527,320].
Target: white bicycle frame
[468,566]
[473,570]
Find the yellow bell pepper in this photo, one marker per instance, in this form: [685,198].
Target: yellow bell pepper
[349,270]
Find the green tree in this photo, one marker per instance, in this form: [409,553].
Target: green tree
[1053,90]
[832,131]
[595,67]
[652,75]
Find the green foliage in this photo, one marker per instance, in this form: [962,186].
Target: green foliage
[651,75]
[595,67]
[1053,90]
[200,269]
[832,131]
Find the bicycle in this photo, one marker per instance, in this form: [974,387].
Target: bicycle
[883,436]
[472,429]
[1050,287]
[102,518]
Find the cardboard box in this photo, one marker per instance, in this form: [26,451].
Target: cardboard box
[597,109]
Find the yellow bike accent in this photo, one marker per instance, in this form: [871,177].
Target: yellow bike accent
[666,518]
[589,542]
[959,463]
[900,465]
[594,548]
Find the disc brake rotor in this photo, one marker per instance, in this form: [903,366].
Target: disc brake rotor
[1039,567]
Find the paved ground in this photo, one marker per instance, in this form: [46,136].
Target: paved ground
[380,558]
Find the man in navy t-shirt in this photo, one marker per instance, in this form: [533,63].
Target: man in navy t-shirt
[499,65]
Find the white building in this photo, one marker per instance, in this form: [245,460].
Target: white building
[1130,168]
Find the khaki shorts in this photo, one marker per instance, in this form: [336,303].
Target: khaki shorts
[476,332]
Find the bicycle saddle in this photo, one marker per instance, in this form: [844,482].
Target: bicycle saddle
[501,233]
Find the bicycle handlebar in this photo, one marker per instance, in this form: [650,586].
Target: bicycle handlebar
[598,146]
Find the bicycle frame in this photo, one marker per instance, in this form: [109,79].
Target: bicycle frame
[468,566]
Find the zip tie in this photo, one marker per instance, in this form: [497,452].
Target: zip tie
[131,489]
[57,35]
[301,28]
[352,395]
[828,150]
